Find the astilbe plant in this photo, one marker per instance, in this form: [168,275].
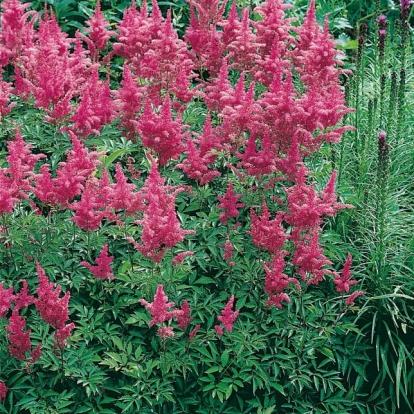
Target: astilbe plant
[266,233]
[96,107]
[98,32]
[71,175]
[17,30]
[227,318]
[229,202]
[102,269]
[198,160]
[6,91]
[53,309]
[129,99]
[161,133]
[161,228]
[160,313]
[273,97]
[3,391]
[20,343]
[6,299]
[16,180]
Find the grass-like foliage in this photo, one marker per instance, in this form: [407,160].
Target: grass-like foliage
[171,238]
[375,163]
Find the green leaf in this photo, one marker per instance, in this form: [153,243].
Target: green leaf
[204,280]
[224,357]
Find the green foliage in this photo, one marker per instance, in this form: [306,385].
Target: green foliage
[378,228]
[316,355]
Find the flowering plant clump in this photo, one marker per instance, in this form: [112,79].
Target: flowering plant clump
[3,391]
[186,162]
[102,269]
[227,318]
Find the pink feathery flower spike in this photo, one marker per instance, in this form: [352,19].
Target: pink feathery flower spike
[159,307]
[184,319]
[23,298]
[6,91]
[6,299]
[267,233]
[229,203]
[19,339]
[181,256]
[193,333]
[353,296]
[165,332]
[342,282]
[228,249]
[98,28]
[276,300]
[3,391]
[227,318]
[102,269]
[53,309]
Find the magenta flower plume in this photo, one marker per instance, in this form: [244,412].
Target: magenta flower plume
[88,210]
[20,343]
[243,49]
[6,91]
[165,332]
[3,391]
[161,132]
[123,195]
[273,28]
[405,4]
[350,300]
[202,34]
[22,162]
[71,175]
[129,101]
[8,192]
[181,256]
[184,319]
[257,162]
[159,307]
[198,159]
[167,63]
[98,28]
[52,309]
[23,298]
[196,165]
[229,203]
[228,317]
[6,299]
[194,331]
[228,251]
[306,207]
[242,113]
[267,233]
[161,227]
[102,269]
[219,91]
[46,70]
[276,281]
[342,282]
[276,300]
[16,30]
[309,257]
[96,107]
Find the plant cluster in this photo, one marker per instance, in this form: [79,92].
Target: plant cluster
[140,163]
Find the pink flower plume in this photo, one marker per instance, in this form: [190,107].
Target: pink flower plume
[102,269]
